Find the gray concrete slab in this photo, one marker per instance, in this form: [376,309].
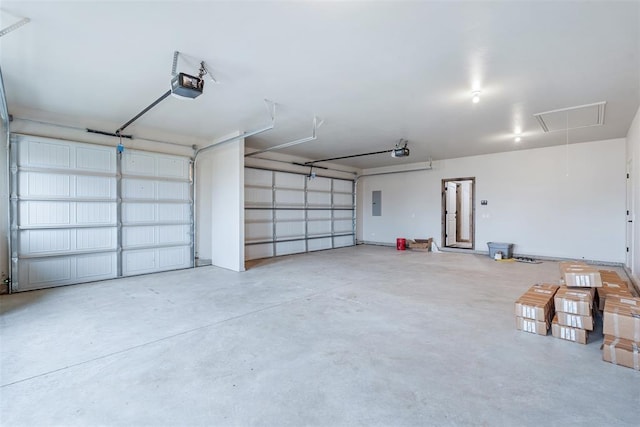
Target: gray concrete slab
[355,336]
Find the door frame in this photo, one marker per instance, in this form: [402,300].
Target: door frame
[472,219]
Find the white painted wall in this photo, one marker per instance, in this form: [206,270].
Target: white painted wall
[534,200]
[220,205]
[633,154]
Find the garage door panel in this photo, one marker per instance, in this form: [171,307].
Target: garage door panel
[144,261]
[290,215]
[174,258]
[258,251]
[257,177]
[252,215]
[157,165]
[342,186]
[305,211]
[319,184]
[290,198]
[318,214]
[41,242]
[66,214]
[258,196]
[320,244]
[38,153]
[289,180]
[290,229]
[138,212]
[287,248]
[173,167]
[45,213]
[68,207]
[46,153]
[96,159]
[138,163]
[343,226]
[138,189]
[342,200]
[138,262]
[342,241]
[168,212]
[95,187]
[138,236]
[168,190]
[57,271]
[258,231]
[317,199]
[33,184]
[319,227]
[93,213]
[174,234]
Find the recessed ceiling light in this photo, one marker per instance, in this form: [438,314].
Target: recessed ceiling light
[518,139]
[475,98]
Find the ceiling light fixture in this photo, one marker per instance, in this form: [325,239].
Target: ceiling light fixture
[475,98]
[517,132]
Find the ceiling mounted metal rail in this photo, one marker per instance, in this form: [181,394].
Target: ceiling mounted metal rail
[271,107]
[400,150]
[15,26]
[316,124]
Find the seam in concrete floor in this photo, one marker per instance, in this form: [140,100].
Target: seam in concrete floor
[219,322]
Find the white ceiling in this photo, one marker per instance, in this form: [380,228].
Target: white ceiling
[374,71]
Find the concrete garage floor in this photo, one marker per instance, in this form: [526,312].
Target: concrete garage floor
[354,336]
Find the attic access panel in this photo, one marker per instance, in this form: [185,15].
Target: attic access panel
[569,118]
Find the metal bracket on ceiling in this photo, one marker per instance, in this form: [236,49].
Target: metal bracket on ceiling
[317,122]
[202,71]
[15,26]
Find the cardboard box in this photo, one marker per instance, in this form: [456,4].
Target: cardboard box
[621,317]
[611,277]
[611,286]
[574,300]
[575,321]
[580,275]
[531,326]
[568,333]
[537,303]
[621,352]
[420,244]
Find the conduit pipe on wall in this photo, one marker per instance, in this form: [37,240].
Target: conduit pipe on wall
[271,107]
[316,125]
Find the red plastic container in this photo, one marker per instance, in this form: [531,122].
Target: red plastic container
[401,244]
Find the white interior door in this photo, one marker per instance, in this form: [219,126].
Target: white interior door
[451,213]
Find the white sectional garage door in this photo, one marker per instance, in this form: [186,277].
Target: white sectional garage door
[156,212]
[287,213]
[67,202]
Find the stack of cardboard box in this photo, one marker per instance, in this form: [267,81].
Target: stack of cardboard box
[534,309]
[621,327]
[574,314]
[574,302]
[612,284]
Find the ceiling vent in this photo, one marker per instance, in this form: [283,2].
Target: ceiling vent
[569,118]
